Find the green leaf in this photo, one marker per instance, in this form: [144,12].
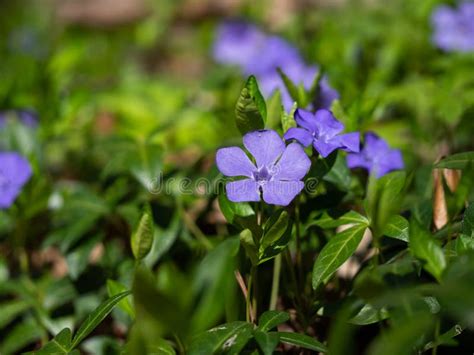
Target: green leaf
[270,319]
[445,339]
[267,341]
[247,241]
[60,344]
[351,217]
[21,335]
[142,238]
[302,340]
[423,246]
[291,88]
[114,288]
[250,110]
[339,175]
[288,119]
[335,253]
[10,310]
[161,347]
[384,197]
[457,161]
[276,236]
[228,338]
[230,209]
[96,317]
[397,227]
[369,315]
[468,220]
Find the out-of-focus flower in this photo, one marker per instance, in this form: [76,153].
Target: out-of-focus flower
[15,171]
[244,45]
[376,157]
[454,27]
[322,130]
[276,174]
[27,117]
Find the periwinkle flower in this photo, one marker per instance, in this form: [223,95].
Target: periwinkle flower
[276,174]
[15,171]
[376,156]
[256,53]
[454,28]
[322,130]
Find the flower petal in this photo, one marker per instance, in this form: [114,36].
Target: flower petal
[350,142]
[265,145]
[300,134]
[358,160]
[392,161]
[15,168]
[326,124]
[243,191]
[8,196]
[233,161]
[326,148]
[281,193]
[305,119]
[294,164]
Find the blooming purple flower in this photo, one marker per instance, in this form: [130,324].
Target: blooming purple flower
[276,174]
[454,28]
[15,171]
[244,45]
[376,156]
[322,130]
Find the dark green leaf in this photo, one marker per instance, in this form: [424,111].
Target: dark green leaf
[96,317]
[423,246]
[397,227]
[250,110]
[232,209]
[10,310]
[351,217]
[457,161]
[247,241]
[369,315]
[339,248]
[60,344]
[468,220]
[267,341]
[291,88]
[302,340]
[270,319]
[276,236]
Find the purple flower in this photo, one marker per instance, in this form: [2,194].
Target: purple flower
[256,53]
[27,117]
[276,174]
[322,130]
[237,43]
[376,156]
[15,171]
[454,28]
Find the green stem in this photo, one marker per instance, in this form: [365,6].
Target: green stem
[298,241]
[249,316]
[434,351]
[275,282]
[253,273]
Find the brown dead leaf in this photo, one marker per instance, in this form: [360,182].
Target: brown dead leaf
[440,209]
[452,178]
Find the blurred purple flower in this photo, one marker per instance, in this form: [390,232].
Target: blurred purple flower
[376,157]
[242,44]
[322,130]
[15,171]
[454,28]
[27,117]
[276,175]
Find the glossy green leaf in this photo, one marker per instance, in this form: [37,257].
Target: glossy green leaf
[228,338]
[276,235]
[250,110]
[369,315]
[142,237]
[270,319]
[351,217]
[397,227]
[96,317]
[267,341]
[247,241]
[339,248]
[60,344]
[302,340]
[423,246]
[231,210]
[457,161]
[339,174]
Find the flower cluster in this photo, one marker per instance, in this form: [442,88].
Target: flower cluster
[454,27]
[15,171]
[278,170]
[259,54]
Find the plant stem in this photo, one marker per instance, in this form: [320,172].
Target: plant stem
[298,241]
[254,282]
[434,351]
[275,282]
